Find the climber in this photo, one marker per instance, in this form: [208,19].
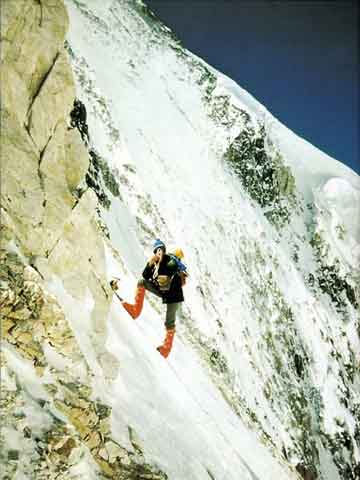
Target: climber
[164,275]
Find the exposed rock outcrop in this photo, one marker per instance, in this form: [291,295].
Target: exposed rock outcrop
[56,423]
[43,161]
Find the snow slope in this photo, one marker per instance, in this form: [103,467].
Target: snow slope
[258,382]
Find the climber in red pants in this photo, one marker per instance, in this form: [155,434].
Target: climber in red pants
[164,275]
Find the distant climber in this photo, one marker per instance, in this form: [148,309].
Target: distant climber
[164,275]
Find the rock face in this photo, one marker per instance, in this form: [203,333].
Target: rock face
[44,160]
[50,232]
[38,149]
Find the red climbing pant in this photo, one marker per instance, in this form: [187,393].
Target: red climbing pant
[135,309]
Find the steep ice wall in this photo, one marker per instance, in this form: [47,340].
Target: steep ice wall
[272,315]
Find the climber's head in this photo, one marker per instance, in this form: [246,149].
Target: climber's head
[159,244]
[159,249]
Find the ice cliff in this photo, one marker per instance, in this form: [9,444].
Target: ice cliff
[263,381]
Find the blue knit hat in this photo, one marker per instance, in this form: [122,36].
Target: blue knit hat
[158,244]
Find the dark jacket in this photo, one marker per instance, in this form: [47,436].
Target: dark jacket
[168,267]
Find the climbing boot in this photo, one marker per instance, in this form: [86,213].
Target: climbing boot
[135,309]
[165,348]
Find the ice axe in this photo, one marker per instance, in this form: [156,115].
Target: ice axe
[114,287]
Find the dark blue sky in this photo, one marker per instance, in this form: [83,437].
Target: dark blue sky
[298,58]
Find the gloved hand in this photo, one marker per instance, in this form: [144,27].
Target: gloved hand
[153,260]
